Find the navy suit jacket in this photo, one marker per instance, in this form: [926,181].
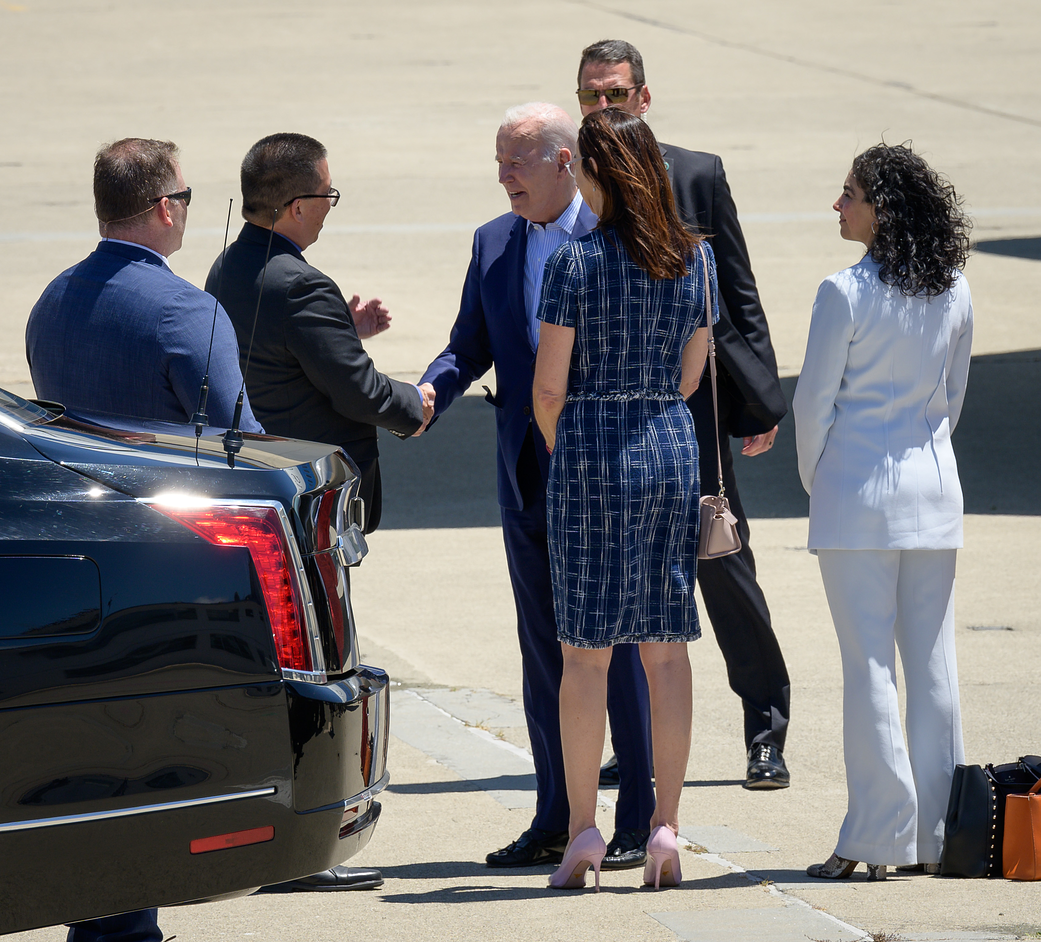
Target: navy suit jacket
[121,333]
[492,330]
[750,392]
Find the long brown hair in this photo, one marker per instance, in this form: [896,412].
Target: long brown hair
[637,197]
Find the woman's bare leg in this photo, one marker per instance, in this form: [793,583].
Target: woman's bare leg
[583,722]
[669,680]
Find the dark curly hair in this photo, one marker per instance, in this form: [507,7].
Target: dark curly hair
[922,237]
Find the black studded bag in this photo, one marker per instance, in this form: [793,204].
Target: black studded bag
[974,828]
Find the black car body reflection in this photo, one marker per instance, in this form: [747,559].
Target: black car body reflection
[183,714]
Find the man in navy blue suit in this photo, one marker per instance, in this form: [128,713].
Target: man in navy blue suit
[121,333]
[496,327]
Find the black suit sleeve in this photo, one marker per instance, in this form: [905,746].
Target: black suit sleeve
[320,333]
[744,351]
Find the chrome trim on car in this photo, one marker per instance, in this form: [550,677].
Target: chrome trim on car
[35,823]
[371,792]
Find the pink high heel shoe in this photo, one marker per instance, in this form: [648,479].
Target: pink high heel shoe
[663,859]
[585,851]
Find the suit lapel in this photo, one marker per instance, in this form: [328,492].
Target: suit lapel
[668,166]
[515,255]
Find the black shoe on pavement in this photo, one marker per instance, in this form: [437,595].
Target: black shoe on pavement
[627,849]
[766,768]
[532,848]
[335,878]
[609,777]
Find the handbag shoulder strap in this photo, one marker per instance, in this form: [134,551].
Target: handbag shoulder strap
[712,363]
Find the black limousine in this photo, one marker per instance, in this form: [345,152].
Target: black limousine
[183,714]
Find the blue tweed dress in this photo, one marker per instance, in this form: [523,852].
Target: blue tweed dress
[622,496]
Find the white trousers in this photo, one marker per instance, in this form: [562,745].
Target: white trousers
[882,600]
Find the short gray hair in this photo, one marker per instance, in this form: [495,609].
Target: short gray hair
[557,130]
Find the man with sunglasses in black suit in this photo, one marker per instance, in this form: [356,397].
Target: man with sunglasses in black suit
[751,403]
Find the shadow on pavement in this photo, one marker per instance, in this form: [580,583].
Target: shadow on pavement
[446,478]
[1015,248]
[506,783]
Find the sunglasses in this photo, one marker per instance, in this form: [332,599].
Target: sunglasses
[614,96]
[185,194]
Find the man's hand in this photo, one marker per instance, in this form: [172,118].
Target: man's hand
[371,319]
[757,444]
[428,394]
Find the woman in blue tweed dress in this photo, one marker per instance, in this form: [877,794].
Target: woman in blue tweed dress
[622,345]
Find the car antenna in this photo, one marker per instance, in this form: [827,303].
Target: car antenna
[233,437]
[200,420]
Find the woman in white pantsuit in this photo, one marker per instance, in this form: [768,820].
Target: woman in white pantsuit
[880,392]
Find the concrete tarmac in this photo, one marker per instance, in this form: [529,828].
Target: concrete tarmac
[407,96]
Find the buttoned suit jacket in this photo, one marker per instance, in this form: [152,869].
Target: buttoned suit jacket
[120,333]
[491,330]
[881,390]
[749,389]
[309,375]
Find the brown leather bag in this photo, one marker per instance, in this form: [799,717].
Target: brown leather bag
[1021,847]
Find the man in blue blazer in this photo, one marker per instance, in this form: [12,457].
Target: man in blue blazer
[496,327]
[751,403]
[121,333]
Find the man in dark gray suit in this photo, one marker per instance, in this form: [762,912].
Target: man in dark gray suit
[309,375]
[751,403]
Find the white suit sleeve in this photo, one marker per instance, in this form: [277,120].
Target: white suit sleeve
[831,329]
[958,366]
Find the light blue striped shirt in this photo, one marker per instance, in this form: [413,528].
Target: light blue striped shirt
[542,240]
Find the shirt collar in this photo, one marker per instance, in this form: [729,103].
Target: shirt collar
[138,245]
[566,220]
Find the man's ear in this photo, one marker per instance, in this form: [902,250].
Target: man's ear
[645,99]
[162,211]
[564,158]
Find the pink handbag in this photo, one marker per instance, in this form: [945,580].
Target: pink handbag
[718,535]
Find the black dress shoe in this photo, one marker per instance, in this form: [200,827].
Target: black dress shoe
[532,848]
[609,777]
[335,878]
[766,768]
[627,849]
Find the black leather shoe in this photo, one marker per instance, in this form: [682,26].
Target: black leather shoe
[609,777]
[627,849]
[336,878]
[532,848]
[766,768]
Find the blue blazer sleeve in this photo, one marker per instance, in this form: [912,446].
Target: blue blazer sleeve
[468,355]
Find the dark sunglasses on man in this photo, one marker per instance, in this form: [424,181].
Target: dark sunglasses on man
[185,194]
[614,96]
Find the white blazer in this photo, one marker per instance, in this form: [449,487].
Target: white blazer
[880,392]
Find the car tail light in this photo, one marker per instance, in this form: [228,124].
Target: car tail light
[260,528]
